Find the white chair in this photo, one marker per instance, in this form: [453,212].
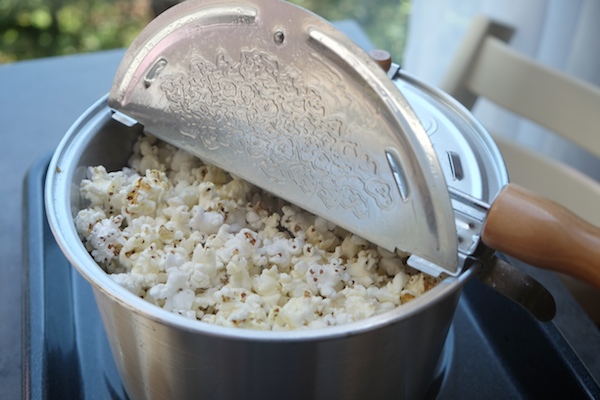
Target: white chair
[485,66]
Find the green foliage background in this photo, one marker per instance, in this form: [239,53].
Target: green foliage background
[42,28]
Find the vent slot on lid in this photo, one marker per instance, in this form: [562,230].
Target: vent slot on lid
[455,166]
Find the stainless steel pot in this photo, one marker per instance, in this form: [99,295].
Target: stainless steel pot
[164,356]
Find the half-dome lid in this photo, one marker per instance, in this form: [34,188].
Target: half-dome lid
[278,96]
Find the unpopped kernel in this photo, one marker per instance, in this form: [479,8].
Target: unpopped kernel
[198,242]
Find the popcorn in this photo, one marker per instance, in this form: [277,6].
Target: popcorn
[206,245]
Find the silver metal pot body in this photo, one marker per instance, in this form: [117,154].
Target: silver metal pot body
[164,356]
[393,357]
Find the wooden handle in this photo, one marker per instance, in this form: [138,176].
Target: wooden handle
[543,233]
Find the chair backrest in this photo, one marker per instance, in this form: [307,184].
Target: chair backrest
[485,66]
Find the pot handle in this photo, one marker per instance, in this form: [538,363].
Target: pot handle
[543,233]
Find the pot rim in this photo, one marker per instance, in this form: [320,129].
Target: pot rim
[58,205]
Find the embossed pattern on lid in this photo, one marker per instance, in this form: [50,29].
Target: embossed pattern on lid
[278,96]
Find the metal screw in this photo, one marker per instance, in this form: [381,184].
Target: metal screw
[279,37]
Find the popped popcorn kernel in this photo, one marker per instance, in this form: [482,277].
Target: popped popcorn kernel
[206,245]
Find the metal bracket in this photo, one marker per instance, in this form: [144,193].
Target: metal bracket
[519,287]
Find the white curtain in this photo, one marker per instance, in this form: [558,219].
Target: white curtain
[564,34]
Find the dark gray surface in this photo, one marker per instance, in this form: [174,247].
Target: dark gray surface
[67,354]
[39,100]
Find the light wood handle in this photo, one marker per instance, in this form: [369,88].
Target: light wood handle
[543,233]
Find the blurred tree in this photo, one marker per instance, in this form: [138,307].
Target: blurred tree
[41,28]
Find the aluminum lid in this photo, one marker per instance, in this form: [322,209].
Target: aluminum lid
[278,96]
[470,159]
